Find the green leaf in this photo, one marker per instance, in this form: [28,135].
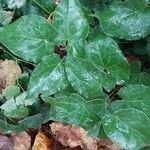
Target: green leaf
[87,79]
[47,5]
[6,127]
[136,96]
[14,110]
[104,52]
[76,110]
[12,4]
[72,26]
[118,105]
[11,91]
[129,128]
[126,20]
[23,80]
[48,77]
[34,121]
[20,112]
[9,105]
[31,8]
[138,77]
[22,100]
[30,37]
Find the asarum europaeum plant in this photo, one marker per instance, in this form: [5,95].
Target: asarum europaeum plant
[81,73]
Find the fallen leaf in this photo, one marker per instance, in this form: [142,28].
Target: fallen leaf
[22,141]
[42,142]
[5,143]
[106,144]
[73,136]
[9,72]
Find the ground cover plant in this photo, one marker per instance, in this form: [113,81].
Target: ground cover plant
[84,63]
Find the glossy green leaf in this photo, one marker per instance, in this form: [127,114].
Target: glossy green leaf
[71,24]
[126,20]
[30,37]
[46,5]
[105,53]
[48,77]
[129,128]
[136,96]
[87,79]
[76,110]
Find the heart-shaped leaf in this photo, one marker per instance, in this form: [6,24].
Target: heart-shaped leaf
[136,96]
[129,128]
[71,24]
[126,20]
[86,78]
[48,77]
[30,37]
[76,110]
[104,52]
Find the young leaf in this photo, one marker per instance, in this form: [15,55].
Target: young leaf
[86,78]
[71,24]
[34,121]
[11,91]
[20,112]
[14,110]
[104,52]
[129,128]
[76,110]
[48,77]
[126,20]
[30,37]
[136,96]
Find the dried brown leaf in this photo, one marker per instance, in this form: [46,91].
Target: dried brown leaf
[5,143]
[41,142]
[22,141]
[73,136]
[9,72]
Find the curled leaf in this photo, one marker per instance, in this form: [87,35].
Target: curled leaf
[41,142]
[22,141]
[9,72]
[5,143]
[73,136]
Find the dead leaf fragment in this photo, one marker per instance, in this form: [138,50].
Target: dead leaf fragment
[73,136]
[22,141]
[57,2]
[41,142]
[9,72]
[5,143]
